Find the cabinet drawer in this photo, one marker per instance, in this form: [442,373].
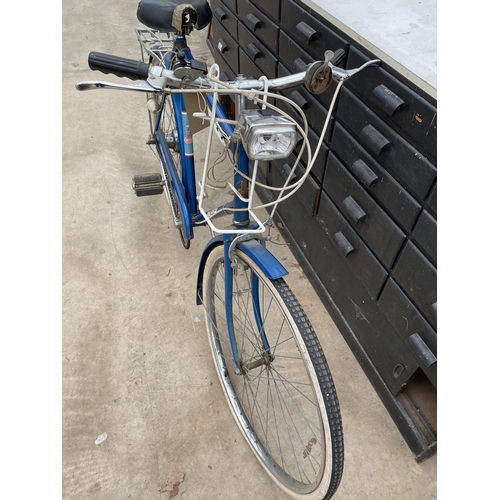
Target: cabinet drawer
[314,111]
[396,103]
[230,3]
[296,59]
[308,193]
[407,164]
[314,36]
[431,202]
[225,44]
[376,228]
[425,235]
[259,24]
[418,279]
[226,17]
[272,7]
[257,52]
[226,73]
[379,341]
[250,70]
[318,168]
[357,255]
[407,321]
[375,179]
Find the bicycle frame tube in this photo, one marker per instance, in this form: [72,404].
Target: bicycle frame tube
[254,283]
[186,149]
[228,298]
[171,172]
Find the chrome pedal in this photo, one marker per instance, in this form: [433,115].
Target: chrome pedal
[147,184]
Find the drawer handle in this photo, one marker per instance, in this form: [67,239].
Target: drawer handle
[421,351]
[254,51]
[356,213]
[391,103]
[374,140]
[287,170]
[433,310]
[298,65]
[220,14]
[222,46]
[254,21]
[343,243]
[307,33]
[299,99]
[364,173]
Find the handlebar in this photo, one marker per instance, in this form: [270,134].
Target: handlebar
[316,78]
[119,66]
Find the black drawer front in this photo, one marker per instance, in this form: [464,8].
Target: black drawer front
[250,70]
[230,3]
[407,321]
[314,111]
[257,52]
[308,193]
[396,103]
[271,7]
[375,179]
[425,235]
[431,202]
[314,36]
[296,59]
[386,146]
[224,44]
[318,168]
[357,255]
[418,279]
[259,24]
[376,228]
[386,350]
[226,73]
[225,16]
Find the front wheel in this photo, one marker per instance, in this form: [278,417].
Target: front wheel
[280,389]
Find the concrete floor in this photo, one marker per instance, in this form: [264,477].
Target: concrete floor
[136,362]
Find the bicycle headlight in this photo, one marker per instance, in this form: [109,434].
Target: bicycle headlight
[266,135]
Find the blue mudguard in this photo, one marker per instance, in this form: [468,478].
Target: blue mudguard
[265,260]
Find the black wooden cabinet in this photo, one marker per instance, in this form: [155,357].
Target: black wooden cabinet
[364,223]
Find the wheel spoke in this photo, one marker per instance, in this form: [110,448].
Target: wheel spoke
[274,398]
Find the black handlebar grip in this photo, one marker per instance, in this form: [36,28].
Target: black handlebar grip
[119,66]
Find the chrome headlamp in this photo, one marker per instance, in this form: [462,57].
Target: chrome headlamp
[266,135]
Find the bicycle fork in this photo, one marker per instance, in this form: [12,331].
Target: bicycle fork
[241,219]
[230,273]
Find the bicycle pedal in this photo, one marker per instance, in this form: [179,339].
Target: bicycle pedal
[147,184]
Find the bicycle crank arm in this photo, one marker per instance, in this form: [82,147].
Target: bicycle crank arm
[141,87]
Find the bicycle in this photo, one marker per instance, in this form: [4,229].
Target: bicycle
[268,359]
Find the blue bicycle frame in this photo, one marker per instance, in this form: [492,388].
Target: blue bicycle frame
[184,191]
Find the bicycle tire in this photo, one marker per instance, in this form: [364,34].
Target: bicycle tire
[308,465]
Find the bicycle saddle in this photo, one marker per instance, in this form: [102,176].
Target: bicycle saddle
[158,14]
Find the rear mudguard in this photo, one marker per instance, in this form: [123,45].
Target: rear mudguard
[265,260]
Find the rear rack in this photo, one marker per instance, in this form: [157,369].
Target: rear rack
[154,44]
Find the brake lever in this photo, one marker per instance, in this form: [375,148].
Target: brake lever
[345,74]
[141,87]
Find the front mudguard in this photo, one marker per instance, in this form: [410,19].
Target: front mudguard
[265,260]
